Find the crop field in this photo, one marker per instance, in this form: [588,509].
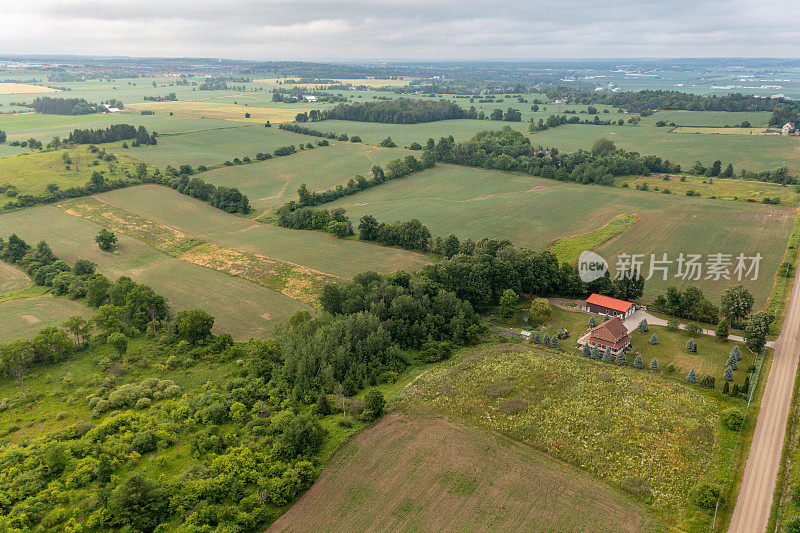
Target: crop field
[12,278]
[653,437]
[242,308]
[222,111]
[568,249]
[31,172]
[274,182]
[532,212]
[214,146]
[24,88]
[707,130]
[7,150]
[368,82]
[405,134]
[23,317]
[751,152]
[22,126]
[425,474]
[312,249]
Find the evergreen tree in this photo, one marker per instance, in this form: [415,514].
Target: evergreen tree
[732,363]
[726,389]
[746,386]
[596,353]
[654,364]
[691,347]
[592,321]
[728,375]
[653,339]
[586,352]
[642,327]
[691,377]
[735,352]
[537,339]
[638,362]
[722,330]
[607,357]
[735,390]
[546,339]
[621,360]
[554,342]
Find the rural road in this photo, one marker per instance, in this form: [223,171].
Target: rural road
[752,510]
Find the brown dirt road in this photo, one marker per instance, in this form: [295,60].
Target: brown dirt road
[753,505]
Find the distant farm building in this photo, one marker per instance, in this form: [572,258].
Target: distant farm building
[310,98]
[610,334]
[110,109]
[606,305]
[787,129]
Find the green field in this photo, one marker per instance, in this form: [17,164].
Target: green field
[12,278]
[655,438]
[312,249]
[405,134]
[23,317]
[23,126]
[534,212]
[241,308]
[274,182]
[31,172]
[751,152]
[213,147]
[728,189]
[758,119]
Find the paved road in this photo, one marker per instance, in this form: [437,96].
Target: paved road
[751,513]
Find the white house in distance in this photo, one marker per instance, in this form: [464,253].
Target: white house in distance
[110,109]
[310,98]
[787,129]
[606,305]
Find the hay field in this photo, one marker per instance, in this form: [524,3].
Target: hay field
[533,212]
[368,82]
[24,88]
[223,111]
[410,473]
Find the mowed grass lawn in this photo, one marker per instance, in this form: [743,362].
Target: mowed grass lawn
[240,307]
[534,212]
[214,146]
[23,317]
[654,437]
[274,182]
[31,172]
[751,152]
[410,473]
[313,249]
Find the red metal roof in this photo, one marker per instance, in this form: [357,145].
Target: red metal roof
[609,302]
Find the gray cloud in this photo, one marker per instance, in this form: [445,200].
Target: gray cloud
[413,29]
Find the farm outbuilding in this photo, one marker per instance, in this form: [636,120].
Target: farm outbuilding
[606,305]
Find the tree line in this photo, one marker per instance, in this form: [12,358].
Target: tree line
[399,111]
[115,132]
[63,106]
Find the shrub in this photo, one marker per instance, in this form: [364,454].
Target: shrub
[653,339]
[638,362]
[138,503]
[654,364]
[705,495]
[691,377]
[733,418]
[673,324]
[144,441]
[374,405]
[143,403]
[691,347]
[693,328]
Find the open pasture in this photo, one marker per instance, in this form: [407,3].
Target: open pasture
[23,317]
[533,212]
[653,437]
[11,278]
[729,189]
[222,111]
[214,146]
[751,152]
[368,82]
[242,308]
[31,172]
[313,249]
[410,473]
[274,182]
[758,119]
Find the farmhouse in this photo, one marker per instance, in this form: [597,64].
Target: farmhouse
[606,305]
[310,98]
[610,334]
[787,128]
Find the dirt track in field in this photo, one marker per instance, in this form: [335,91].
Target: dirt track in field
[414,474]
[751,513]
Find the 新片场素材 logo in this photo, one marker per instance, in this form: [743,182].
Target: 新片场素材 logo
[591,266]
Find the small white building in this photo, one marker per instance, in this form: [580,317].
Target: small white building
[787,128]
[110,109]
[310,98]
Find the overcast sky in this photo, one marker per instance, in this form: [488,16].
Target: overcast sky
[403,29]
